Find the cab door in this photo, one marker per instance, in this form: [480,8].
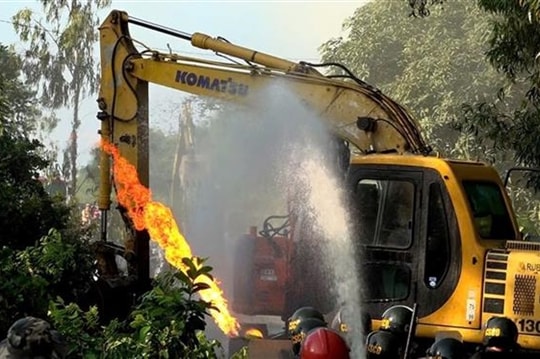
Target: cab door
[406,235]
[386,207]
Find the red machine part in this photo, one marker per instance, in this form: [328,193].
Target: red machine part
[261,273]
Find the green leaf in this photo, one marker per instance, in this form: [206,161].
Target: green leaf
[200,286]
[143,332]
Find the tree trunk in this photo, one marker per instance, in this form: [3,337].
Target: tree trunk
[74,133]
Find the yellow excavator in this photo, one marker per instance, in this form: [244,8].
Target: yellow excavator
[434,232]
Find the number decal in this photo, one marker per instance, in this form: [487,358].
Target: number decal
[528,325]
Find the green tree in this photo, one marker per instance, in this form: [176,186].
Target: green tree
[431,65]
[28,212]
[43,252]
[60,264]
[421,8]
[510,121]
[60,59]
[19,112]
[514,51]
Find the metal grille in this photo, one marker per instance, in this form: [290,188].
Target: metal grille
[522,245]
[524,289]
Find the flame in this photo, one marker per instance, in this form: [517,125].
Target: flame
[159,221]
[253,333]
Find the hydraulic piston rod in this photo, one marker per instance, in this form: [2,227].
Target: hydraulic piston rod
[207,42]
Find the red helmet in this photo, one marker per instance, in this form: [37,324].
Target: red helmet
[324,343]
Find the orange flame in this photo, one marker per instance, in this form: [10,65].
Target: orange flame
[162,228]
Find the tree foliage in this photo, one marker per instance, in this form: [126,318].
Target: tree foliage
[509,122]
[59,59]
[514,50]
[168,322]
[431,65]
[59,265]
[41,254]
[28,212]
[421,8]
[19,114]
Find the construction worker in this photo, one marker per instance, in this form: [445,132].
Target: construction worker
[300,314]
[32,338]
[397,320]
[301,331]
[446,348]
[324,343]
[383,344]
[341,319]
[300,322]
[500,339]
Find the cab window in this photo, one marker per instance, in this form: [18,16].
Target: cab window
[387,281]
[491,217]
[438,239]
[384,211]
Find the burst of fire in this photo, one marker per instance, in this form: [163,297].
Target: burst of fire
[253,333]
[159,221]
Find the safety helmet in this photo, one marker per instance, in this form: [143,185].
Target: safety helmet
[367,326]
[301,314]
[382,344]
[301,331]
[500,332]
[324,343]
[31,337]
[397,319]
[342,317]
[446,348]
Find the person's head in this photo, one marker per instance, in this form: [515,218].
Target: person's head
[341,323]
[324,343]
[301,331]
[446,348]
[32,337]
[383,345]
[500,334]
[397,320]
[367,326]
[300,314]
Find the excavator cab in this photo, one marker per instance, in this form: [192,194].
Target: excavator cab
[424,227]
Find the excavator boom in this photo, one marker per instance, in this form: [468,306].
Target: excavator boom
[353,110]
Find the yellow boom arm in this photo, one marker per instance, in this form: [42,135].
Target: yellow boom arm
[354,110]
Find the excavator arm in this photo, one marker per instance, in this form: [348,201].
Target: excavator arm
[353,110]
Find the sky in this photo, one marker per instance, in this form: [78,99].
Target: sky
[290,29]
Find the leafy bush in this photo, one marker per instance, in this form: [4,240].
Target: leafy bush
[60,265]
[168,322]
[28,212]
[21,292]
[241,354]
[82,330]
